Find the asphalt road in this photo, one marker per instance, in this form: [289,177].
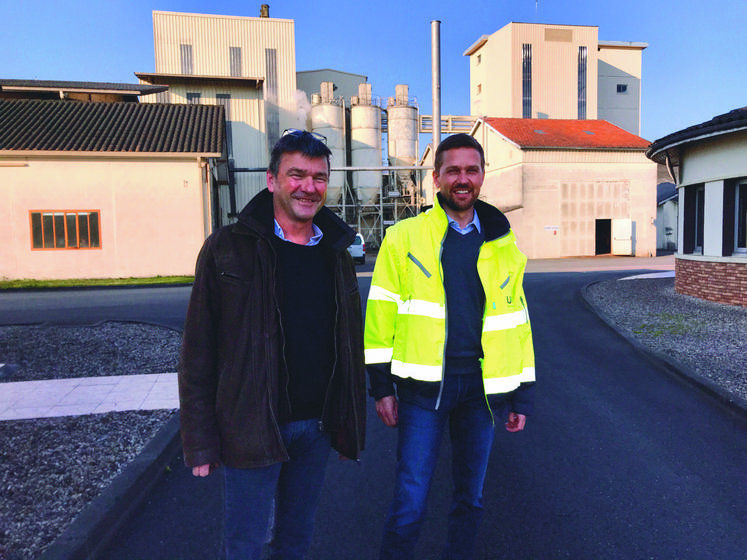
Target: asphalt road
[620,461]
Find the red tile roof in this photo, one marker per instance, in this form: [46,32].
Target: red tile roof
[567,134]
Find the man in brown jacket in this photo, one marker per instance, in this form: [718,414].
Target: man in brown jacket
[271,370]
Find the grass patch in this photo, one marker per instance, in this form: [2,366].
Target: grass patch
[671,324]
[87,282]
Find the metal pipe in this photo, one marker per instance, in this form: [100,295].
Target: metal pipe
[436,78]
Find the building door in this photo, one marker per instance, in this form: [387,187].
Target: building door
[622,236]
[603,237]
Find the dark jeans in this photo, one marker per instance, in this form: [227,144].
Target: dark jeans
[295,486]
[464,407]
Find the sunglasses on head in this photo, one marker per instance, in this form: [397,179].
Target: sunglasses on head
[299,133]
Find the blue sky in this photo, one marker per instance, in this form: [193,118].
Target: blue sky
[694,68]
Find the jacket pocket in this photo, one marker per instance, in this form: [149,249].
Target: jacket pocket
[234,278]
[419,265]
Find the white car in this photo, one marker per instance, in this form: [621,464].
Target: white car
[357,249]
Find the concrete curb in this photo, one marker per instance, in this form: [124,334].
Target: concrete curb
[95,527]
[733,403]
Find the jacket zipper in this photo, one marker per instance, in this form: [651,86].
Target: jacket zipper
[281,357]
[334,337]
[446,320]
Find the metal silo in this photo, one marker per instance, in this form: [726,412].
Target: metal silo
[365,145]
[402,136]
[328,119]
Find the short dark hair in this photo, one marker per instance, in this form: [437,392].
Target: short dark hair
[300,141]
[460,140]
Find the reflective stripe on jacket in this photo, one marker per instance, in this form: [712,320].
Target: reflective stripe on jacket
[406,308]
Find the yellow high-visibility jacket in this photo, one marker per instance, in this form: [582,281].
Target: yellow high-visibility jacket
[406,309]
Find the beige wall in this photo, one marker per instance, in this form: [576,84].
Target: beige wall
[211,37]
[562,199]
[620,65]
[554,71]
[154,215]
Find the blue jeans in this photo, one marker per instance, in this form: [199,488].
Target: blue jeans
[464,407]
[294,486]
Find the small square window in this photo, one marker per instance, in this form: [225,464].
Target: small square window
[622,88]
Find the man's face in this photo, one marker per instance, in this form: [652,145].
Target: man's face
[300,187]
[460,177]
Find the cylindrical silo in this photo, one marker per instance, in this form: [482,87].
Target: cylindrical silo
[328,119]
[365,146]
[402,135]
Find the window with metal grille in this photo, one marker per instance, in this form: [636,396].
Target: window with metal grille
[271,97]
[185,56]
[193,98]
[235,60]
[65,229]
[526,81]
[582,83]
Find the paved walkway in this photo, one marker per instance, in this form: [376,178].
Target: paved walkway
[87,395]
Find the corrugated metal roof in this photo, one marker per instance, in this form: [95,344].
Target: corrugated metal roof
[46,85]
[64,126]
[567,134]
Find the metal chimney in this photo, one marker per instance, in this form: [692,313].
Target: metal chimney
[436,78]
[264,10]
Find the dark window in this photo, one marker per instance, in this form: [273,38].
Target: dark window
[582,83]
[740,224]
[185,55]
[65,230]
[693,219]
[526,81]
[225,100]
[699,218]
[235,61]
[193,98]
[622,88]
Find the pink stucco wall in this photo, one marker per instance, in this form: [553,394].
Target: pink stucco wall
[153,215]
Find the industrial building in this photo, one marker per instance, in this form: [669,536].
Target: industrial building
[245,64]
[105,188]
[544,71]
[569,189]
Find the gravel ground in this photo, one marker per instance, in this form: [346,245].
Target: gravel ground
[53,468]
[710,339]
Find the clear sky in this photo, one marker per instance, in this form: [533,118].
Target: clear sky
[695,66]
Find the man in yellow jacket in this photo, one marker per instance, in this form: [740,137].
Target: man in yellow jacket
[447,322]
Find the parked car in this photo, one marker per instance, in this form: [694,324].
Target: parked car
[357,249]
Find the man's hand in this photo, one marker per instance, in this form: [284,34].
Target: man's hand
[516,422]
[202,470]
[387,408]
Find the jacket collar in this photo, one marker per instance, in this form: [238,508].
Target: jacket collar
[258,217]
[493,221]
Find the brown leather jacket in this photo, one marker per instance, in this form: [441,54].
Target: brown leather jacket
[231,350]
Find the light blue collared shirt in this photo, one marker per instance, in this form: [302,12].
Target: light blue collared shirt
[315,239]
[475,223]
